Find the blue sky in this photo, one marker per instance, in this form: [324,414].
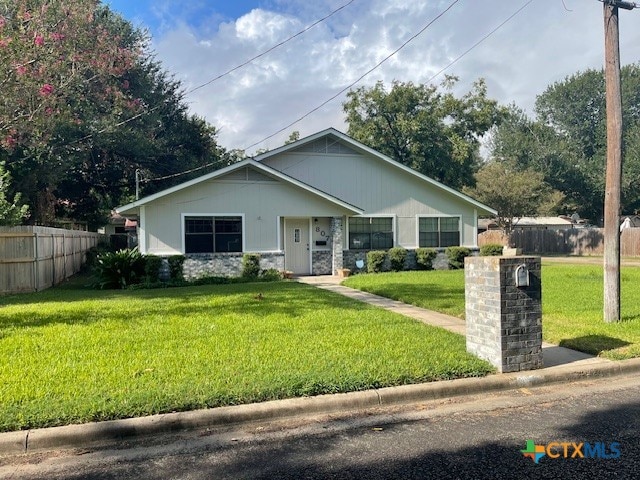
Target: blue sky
[198,40]
[155,15]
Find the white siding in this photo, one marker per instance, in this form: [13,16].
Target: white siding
[261,202]
[378,187]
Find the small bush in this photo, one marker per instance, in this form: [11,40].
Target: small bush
[176,263]
[152,265]
[375,260]
[491,250]
[120,269]
[270,275]
[397,257]
[93,253]
[250,265]
[425,258]
[456,256]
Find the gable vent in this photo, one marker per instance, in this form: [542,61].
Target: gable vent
[326,145]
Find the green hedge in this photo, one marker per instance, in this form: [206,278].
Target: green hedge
[375,261]
[250,265]
[425,258]
[397,258]
[456,256]
[491,250]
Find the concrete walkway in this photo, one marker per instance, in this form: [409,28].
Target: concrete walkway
[553,355]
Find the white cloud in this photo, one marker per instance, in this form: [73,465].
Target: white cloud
[541,45]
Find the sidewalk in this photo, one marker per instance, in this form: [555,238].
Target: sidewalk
[553,355]
[561,365]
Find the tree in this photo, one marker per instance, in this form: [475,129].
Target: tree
[431,131]
[84,105]
[528,144]
[575,111]
[293,137]
[11,212]
[513,193]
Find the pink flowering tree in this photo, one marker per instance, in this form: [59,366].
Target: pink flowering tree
[55,56]
[83,104]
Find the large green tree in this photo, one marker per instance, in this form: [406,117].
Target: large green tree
[85,105]
[566,141]
[424,127]
[514,192]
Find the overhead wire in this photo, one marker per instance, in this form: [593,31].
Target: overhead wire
[375,67]
[260,55]
[481,40]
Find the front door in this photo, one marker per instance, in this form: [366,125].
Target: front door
[296,246]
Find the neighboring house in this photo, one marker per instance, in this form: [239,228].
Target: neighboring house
[311,207]
[533,223]
[121,231]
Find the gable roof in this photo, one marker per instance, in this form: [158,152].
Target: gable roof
[131,207]
[362,148]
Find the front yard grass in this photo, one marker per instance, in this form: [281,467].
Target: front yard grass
[69,355]
[572,297]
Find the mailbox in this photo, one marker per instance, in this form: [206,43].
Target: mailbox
[522,276]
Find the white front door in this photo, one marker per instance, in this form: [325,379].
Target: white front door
[297,255]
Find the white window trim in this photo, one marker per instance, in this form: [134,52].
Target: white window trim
[183,217]
[438,215]
[394,226]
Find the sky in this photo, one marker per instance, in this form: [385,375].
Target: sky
[199,40]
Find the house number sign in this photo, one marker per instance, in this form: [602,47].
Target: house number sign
[323,234]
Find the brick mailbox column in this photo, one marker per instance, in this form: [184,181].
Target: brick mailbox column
[504,320]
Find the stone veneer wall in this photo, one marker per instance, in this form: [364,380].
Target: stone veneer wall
[504,322]
[321,262]
[198,265]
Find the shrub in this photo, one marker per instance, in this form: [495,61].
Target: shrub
[152,265]
[270,275]
[456,256]
[397,257]
[93,253]
[425,258]
[491,250]
[176,263]
[119,269]
[250,265]
[375,260]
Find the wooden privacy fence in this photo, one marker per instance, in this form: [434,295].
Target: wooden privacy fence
[36,258]
[574,241]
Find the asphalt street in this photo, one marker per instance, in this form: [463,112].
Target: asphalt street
[473,437]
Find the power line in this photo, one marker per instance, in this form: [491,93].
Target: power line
[413,37]
[481,40]
[153,109]
[270,49]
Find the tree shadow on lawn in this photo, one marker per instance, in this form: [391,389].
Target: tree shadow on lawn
[594,344]
[248,299]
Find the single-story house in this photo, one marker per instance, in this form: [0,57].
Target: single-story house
[310,207]
[534,223]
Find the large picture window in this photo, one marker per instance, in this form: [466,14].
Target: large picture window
[370,233]
[213,234]
[439,232]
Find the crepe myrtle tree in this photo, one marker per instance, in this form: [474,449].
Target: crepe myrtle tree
[60,59]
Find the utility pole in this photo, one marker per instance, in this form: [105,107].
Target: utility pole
[614,160]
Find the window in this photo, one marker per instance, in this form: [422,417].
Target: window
[370,233]
[213,234]
[439,231]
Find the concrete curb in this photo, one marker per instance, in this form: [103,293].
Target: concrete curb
[81,436]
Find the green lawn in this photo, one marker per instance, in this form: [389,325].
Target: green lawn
[69,355]
[571,303]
